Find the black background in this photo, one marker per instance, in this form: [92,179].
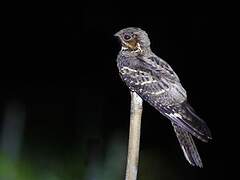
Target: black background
[60,64]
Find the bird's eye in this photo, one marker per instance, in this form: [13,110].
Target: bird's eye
[127,37]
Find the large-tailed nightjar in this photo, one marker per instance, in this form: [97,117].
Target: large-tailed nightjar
[155,82]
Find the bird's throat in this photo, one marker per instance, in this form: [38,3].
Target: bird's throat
[132,47]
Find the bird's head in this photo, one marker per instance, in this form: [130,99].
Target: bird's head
[133,39]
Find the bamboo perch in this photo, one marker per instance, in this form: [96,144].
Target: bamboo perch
[134,137]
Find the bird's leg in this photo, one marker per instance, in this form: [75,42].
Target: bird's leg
[134,136]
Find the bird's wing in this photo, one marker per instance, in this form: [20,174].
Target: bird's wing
[160,87]
[188,146]
[153,80]
[164,69]
[184,116]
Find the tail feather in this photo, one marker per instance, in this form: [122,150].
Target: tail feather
[188,146]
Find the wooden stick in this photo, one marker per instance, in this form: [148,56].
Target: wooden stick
[134,137]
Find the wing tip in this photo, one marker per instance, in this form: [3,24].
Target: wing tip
[204,132]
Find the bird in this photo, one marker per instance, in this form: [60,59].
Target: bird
[155,82]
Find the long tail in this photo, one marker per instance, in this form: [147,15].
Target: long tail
[188,146]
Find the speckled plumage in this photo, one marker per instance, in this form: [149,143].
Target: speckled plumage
[155,82]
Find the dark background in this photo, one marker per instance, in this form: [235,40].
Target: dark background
[58,70]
